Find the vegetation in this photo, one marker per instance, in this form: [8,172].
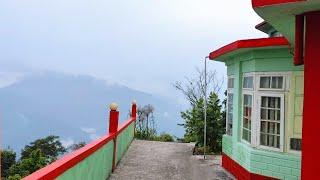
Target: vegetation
[146,126]
[34,156]
[194,91]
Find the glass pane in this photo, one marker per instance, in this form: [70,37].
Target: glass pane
[264,82]
[231,83]
[264,114]
[278,128]
[277,82]
[271,114]
[263,127]
[248,82]
[272,102]
[278,115]
[278,142]
[264,101]
[271,140]
[263,139]
[245,123]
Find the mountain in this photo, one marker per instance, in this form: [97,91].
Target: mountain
[72,107]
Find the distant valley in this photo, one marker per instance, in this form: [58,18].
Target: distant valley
[72,107]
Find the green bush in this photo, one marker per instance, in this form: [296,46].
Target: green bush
[165,137]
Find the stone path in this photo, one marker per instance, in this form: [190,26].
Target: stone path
[150,160]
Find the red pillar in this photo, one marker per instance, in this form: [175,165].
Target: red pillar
[113,128]
[134,115]
[311,106]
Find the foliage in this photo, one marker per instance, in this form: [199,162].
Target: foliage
[163,137]
[194,90]
[26,166]
[50,146]
[194,123]
[8,158]
[76,146]
[15,177]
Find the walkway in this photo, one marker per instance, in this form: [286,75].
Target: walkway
[149,160]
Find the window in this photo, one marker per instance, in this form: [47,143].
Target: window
[295,144]
[229,118]
[230,114]
[230,83]
[247,82]
[246,120]
[271,120]
[271,82]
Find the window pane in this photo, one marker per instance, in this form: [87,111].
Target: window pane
[295,144]
[246,120]
[270,121]
[248,82]
[277,82]
[229,114]
[231,83]
[263,127]
[264,102]
[264,82]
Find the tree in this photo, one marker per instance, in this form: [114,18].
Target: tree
[77,146]
[50,147]
[28,165]
[194,123]
[145,125]
[194,91]
[194,88]
[8,158]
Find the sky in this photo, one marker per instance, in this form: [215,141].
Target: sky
[143,44]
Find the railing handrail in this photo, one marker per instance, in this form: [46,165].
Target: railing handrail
[58,167]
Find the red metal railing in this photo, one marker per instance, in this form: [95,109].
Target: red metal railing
[60,166]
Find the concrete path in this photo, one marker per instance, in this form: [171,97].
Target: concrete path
[150,160]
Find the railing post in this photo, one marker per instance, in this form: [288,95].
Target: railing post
[134,115]
[113,128]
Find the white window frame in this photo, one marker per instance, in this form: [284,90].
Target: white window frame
[284,76]
[282,116]
[229,91]
[253,83]
[244,92]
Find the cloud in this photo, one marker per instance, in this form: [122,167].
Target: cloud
[92,132]
[165,114]
[67,142]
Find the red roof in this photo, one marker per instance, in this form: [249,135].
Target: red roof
[260,3]
[249,44]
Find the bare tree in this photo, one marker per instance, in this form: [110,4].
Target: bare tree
[145,119]
[194,88]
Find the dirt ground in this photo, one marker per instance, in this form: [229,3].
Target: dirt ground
[150,160]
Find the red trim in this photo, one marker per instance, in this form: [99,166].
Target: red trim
[311,106]
[299,40]
[58,167]
[125,125]
[240,172]
[249,43]
[261,3]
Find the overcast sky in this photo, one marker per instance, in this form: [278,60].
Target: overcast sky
[144,44]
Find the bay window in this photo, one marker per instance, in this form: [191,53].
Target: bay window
[262,117]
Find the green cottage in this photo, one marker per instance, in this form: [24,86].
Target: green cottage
[264,108]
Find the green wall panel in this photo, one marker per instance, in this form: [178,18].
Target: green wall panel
[124,139]
[97,166]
